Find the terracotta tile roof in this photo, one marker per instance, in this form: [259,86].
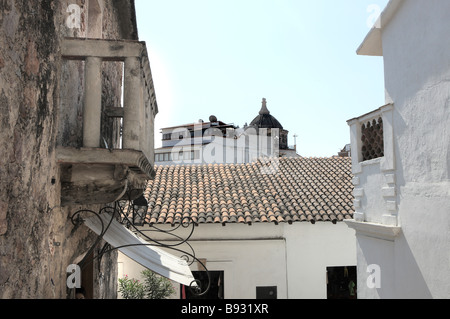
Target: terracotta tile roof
[302,190]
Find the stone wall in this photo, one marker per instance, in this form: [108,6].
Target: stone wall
[37,239]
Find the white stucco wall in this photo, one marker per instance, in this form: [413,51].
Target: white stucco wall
[416,52]
[419,84]
[246,265]
[313,248]
[292,257]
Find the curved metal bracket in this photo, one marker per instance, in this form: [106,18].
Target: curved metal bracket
[121,210]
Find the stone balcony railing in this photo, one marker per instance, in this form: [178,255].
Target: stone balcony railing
[372,139]
[94,174]
[374,170]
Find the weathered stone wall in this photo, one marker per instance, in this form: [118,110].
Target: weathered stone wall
[95,22]
[37,239]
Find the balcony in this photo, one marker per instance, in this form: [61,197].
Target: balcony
[374,167]
[98,172]
[372,139]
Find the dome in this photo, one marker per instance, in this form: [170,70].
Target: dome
[265,120]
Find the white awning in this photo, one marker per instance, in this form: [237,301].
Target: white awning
[153,258]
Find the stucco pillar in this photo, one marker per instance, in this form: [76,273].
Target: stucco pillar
[93,103]
[132,104]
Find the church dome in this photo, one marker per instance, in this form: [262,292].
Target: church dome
[265,120]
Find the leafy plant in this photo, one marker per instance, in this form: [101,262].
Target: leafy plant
[131,288]
[152,287]
[157,287]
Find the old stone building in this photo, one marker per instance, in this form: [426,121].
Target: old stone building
[68,142]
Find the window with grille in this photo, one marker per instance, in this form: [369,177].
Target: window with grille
[372,139]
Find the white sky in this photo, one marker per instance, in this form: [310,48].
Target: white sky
[221,57]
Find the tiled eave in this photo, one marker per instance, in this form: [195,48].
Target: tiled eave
[302,190]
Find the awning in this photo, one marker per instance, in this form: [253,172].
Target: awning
[153,258]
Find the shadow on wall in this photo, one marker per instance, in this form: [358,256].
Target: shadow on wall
[394,272]
[409,280]
[448,150]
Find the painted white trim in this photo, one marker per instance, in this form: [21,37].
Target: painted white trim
[373,230]
[372,44]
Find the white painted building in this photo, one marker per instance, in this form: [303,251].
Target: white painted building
[279,235]
[218,142]
[402,182]
[292,260]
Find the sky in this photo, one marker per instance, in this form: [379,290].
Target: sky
[222,57]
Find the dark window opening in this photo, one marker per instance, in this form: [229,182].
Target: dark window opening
[341,282]
[266,292]
[216,290]
[372,139]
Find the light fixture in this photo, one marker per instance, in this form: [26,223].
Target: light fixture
[139,207]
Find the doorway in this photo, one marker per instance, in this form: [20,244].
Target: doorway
[341,282]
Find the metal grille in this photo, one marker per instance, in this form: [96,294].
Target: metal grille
[372,139]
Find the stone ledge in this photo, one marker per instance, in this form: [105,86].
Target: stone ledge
[101,176]
[379,231]
[135,160]
[109,49]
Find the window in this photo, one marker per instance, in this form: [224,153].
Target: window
[372,139]
[177,156]
[266,292]
[216,290]
[163,157]
[341,282]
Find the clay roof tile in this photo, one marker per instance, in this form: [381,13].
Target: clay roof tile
[300,190]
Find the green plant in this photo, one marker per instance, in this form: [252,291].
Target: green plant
[157,287]
[152,287]
[131,288]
